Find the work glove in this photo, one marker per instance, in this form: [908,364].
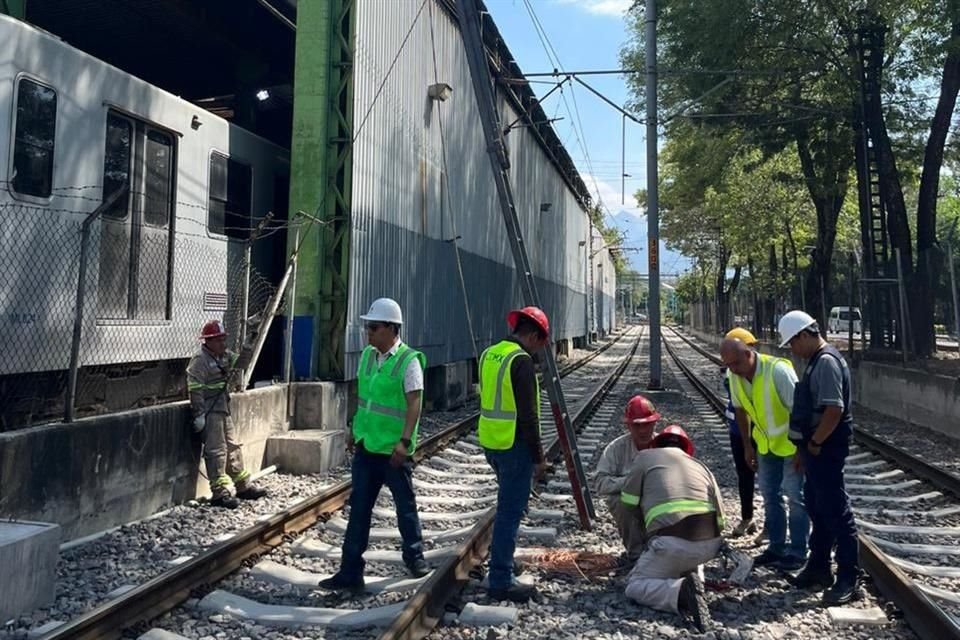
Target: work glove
[199,423]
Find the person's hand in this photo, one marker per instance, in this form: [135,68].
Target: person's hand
[813,448]
[750,456]
[399,455]
[199,424]
[540,470]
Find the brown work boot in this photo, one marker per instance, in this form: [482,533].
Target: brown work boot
[221,498]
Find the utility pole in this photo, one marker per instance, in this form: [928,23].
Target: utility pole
[653,212]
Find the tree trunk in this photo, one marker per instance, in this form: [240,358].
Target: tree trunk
[922,307]
[722,297]
[827,188]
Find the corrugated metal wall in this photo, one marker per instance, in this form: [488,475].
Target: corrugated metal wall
[406,212]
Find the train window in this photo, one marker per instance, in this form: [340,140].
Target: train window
[34,139]
[158,167]
[118,158]
[230,197]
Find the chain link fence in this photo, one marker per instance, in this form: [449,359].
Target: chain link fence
[100,314]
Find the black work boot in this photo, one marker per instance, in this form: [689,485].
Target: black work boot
[692,604]
[418,568]
[845,589]
[519,593]
[341,582]
[812,577]
[249,491]
[221,498]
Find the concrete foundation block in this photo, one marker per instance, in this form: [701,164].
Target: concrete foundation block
[449,386]
[307,451]
[28,555]
[321,405]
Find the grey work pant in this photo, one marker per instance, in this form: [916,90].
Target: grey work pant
[221,451]
[656,577]
[628,524]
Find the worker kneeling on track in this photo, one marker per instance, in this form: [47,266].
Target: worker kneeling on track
[208,379]
[616,463]
[679,503]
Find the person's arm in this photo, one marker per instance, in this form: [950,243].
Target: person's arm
[829,394]
[743,423]
[524,377]
[413,392]
[610,477]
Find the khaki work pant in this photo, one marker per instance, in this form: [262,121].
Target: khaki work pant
[656,577]
[221,451]
[628,524]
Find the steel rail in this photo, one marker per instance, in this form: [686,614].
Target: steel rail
[926,618]
[425,609]
[170,588]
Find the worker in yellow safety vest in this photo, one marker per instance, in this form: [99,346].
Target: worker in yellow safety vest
[761,390]
[509,432]
[384,437]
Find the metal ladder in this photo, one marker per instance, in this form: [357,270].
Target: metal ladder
[470,16]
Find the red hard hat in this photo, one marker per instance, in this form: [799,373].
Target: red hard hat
[534,314]
[673,432]
[213,329]
[640,411]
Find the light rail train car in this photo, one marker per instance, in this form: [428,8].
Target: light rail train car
[162,258]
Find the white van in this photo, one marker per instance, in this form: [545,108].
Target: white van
[840,318]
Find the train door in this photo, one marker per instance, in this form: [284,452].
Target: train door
[136,232]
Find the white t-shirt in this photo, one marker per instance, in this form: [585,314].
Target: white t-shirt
[412,375]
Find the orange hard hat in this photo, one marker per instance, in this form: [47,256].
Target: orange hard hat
[534,314]
[672,435]
[640,411]
[213,329]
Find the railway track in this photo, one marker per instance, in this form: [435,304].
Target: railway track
[925,593]
[586,383]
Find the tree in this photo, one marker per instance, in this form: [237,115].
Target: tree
[786,74]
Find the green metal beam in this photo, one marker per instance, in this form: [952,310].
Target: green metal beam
[15,8]
[321,172]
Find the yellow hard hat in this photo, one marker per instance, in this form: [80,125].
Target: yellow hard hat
[741,334]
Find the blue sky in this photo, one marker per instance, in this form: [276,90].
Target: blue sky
[587,34]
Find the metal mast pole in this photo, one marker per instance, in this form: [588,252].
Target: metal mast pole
[653,212]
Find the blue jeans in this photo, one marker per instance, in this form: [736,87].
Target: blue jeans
[370,471]
[514,471]
[829,505]
[777,477]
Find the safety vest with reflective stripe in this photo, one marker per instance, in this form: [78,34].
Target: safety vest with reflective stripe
[770,417]
[382,403]
[497,428]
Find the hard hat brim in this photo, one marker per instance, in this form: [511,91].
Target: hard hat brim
[367,318]
[651,418]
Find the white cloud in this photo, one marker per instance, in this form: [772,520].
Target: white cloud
[611,8]
[610,195]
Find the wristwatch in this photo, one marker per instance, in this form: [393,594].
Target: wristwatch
[406,442]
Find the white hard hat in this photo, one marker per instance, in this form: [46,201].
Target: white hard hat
[792,323]
[384,310]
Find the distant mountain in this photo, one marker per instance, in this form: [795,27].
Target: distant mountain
[635,228]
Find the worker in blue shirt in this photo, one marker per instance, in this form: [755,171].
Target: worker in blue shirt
[821,426]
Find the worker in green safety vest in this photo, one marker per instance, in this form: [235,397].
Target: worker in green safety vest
[679,503]
[761,390]
[384,437]
[509,432]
